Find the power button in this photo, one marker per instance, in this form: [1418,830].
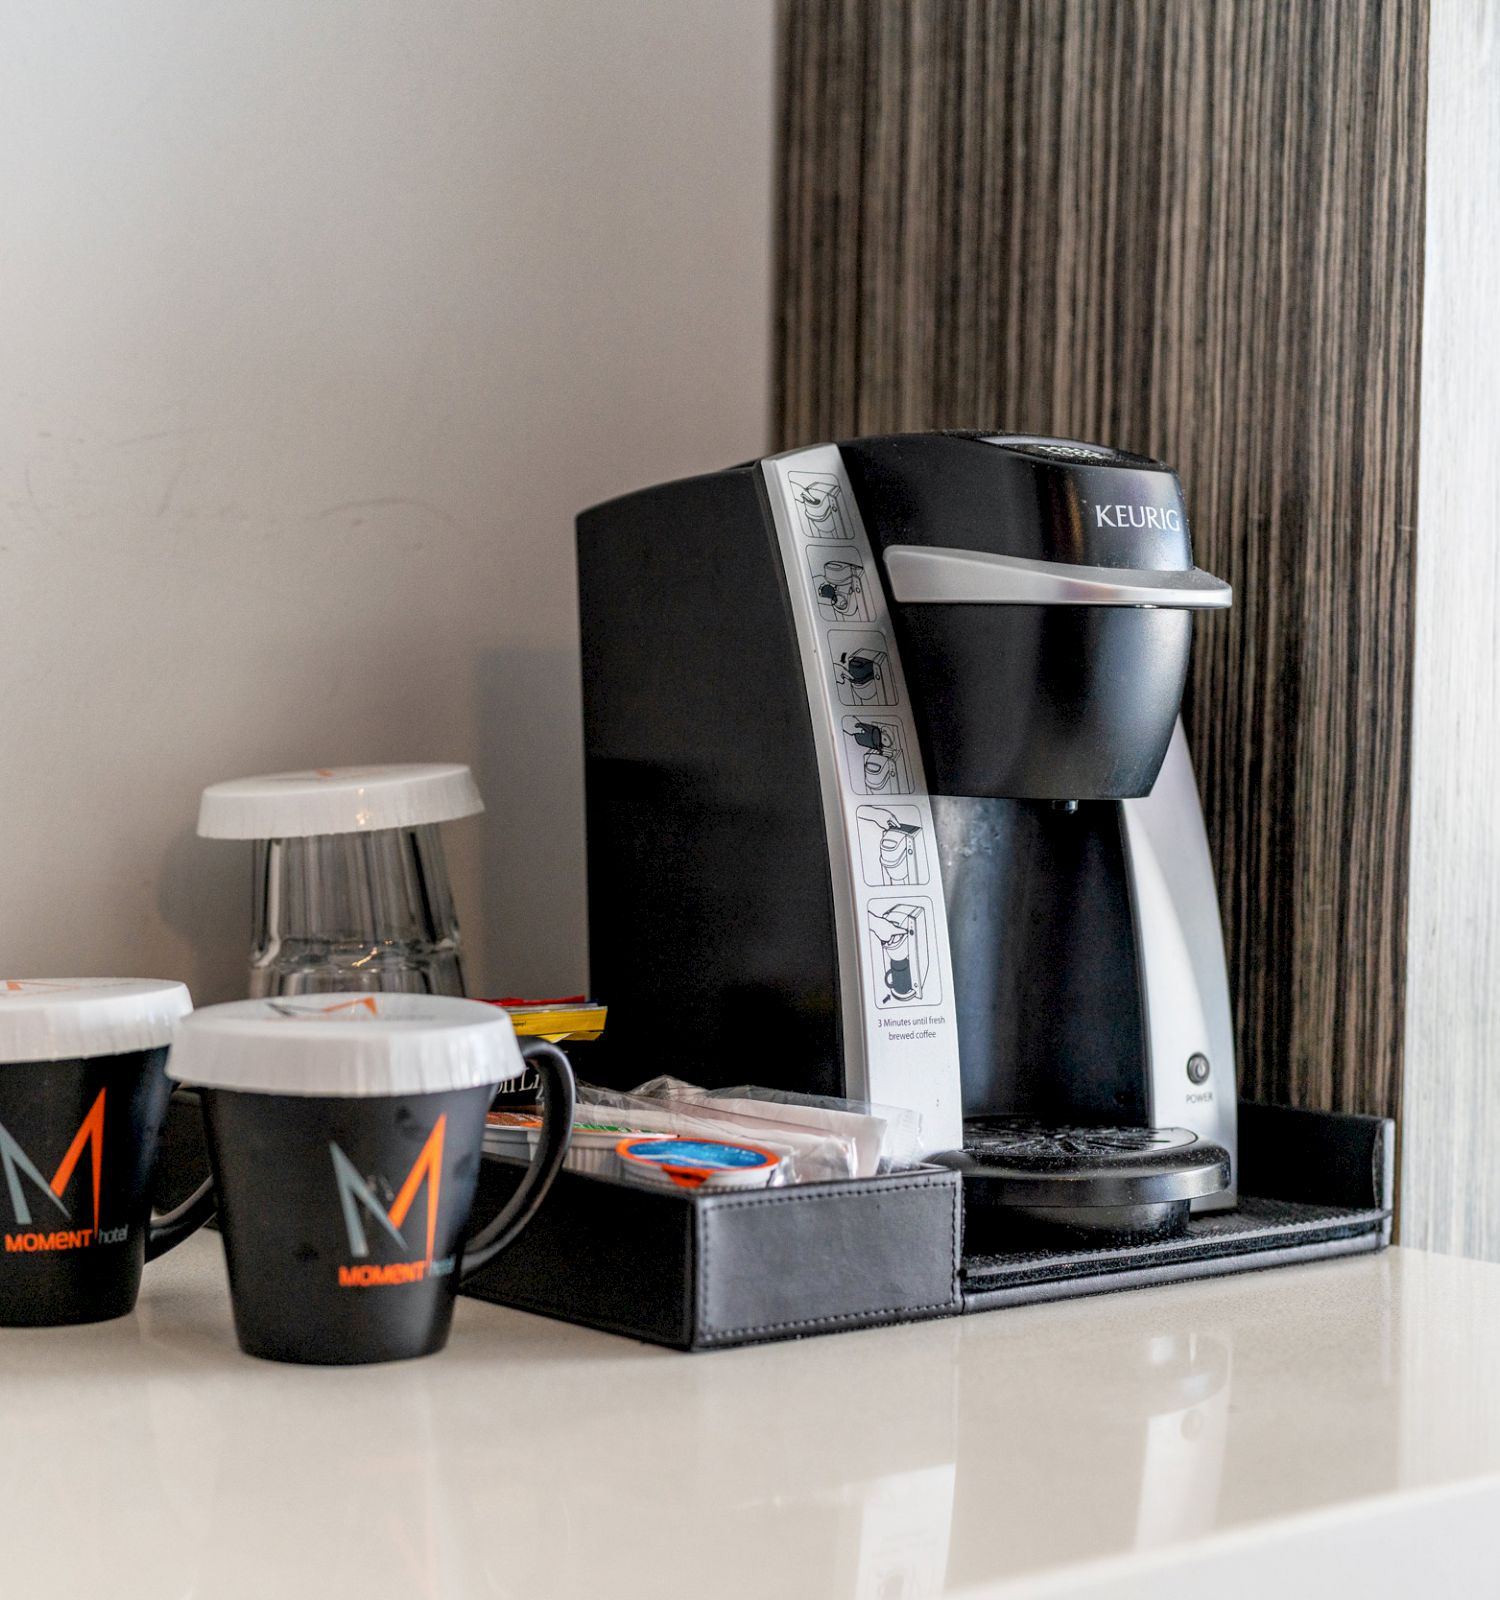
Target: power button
[1197,1068]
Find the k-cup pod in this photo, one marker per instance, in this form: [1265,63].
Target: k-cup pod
[83,1091]
[506,1134]
[591,1149]
[594,1146]
[701,1165]
[344,1137]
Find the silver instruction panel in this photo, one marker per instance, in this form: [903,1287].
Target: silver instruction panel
[895,970]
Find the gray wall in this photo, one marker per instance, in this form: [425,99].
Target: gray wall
[319,322]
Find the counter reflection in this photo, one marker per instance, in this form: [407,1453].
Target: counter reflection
[534,1459]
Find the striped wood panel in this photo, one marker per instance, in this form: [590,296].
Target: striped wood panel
[1192,229]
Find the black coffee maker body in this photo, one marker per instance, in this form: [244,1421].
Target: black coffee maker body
[925,836]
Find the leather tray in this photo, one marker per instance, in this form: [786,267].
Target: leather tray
[699,1271]
[704,1272]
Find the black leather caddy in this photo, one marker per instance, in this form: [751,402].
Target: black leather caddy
[699,1272]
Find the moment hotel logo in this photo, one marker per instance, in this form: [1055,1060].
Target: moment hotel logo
[24,1183]
[361,1205]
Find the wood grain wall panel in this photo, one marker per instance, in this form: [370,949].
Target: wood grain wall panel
[1192,229]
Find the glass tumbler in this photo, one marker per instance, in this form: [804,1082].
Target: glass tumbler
[351,889]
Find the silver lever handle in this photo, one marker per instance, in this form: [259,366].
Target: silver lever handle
[926,574]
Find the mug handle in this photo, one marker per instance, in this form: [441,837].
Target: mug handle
[168,1231]
[557,1128]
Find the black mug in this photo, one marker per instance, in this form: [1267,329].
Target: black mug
[78,1144]
[344,1216]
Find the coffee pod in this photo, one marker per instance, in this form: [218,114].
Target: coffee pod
[513,1135]
[344,1136]
[696,1165]
[83,1090]
[506,1133]
[594,1144]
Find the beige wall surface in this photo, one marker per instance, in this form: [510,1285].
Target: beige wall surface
[317,326]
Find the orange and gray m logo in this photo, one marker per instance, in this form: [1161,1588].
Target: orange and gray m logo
[361,1204]
[19,1165]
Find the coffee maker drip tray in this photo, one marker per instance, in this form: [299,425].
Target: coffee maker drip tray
[1027,1184]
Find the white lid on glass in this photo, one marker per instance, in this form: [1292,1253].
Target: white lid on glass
[61,1019]
[347,1044]
[295,805]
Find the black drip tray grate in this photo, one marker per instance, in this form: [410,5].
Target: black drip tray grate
[1259,1233]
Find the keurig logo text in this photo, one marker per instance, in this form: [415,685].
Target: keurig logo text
[1122,516]
[361,1206]
[23,1182]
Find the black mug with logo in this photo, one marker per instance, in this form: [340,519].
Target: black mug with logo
[344,1135]
[83,1091]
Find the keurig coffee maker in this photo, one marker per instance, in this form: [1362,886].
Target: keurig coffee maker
[888,798]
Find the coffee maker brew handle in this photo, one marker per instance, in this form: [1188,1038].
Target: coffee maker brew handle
[552,1147]
[168,1231]
[931,575]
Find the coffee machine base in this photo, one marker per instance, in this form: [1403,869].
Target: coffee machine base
[699,1272]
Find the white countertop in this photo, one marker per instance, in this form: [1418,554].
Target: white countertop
[1288,1432]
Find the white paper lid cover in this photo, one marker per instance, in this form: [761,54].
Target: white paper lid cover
[60,1019]
[347,1044]
[295,805]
